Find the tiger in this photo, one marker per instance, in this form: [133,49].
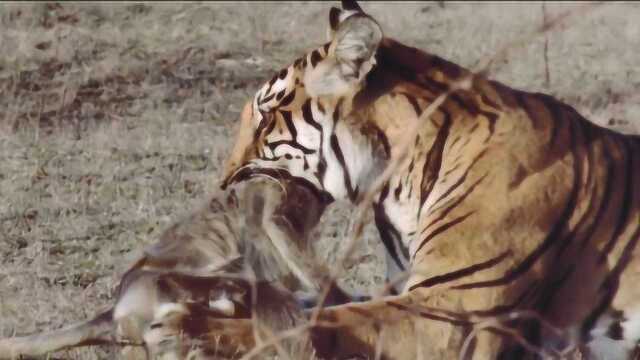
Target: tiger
[213,266]
[514,220]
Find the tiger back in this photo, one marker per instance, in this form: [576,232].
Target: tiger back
[508,201]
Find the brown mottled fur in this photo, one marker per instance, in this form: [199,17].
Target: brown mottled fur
[199,271]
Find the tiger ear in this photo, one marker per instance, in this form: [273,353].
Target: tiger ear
[351,5]
[336,16]
[334,22]
[355,37]
[355,44]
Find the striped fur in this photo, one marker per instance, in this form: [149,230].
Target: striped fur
[510,200]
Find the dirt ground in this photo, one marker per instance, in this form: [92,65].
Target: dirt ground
[115,120]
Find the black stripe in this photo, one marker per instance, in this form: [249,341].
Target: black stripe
[273,80]
[427,315]
[336,112]
[455,141]
[326,47]
[388,233]
[522,99]
[611,284]
[286,115]
[288,99]
[466,142]
[463,104]
[504,308]
[586,216]
[615,331]
[280,95]
[283,74]
[293,144]
[474,128]
[322,167]
[608,191]
[460,273]
[442,229]
[414,103]
[307,115]
[270,126]
[433,162]
[552,237]
[433,85]
[552,286]
[490,102]
[454,168]
[382,139]
[460,199]
[473,109]
[462,178]
[492,118]
[335,146]
[505,93]
[384,192]
[267,99]
[627,199]
[315,58]
[398,191]
[261,126]
[557,115]
[590,183]
[590,138]
[334,18]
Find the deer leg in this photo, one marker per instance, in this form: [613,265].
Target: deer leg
[99,330]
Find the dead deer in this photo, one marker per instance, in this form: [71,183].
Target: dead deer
[216,265]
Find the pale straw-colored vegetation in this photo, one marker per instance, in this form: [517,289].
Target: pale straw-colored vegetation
[115,120]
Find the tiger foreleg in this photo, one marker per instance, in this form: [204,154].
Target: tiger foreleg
[406,326]
[341,332]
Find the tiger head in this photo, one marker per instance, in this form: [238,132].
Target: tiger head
[297,125]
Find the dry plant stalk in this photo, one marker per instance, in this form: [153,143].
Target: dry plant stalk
[495,322]
[547,75]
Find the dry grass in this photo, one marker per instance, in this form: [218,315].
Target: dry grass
[115,120]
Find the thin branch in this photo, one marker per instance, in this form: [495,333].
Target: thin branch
[547,76]
[496,322]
